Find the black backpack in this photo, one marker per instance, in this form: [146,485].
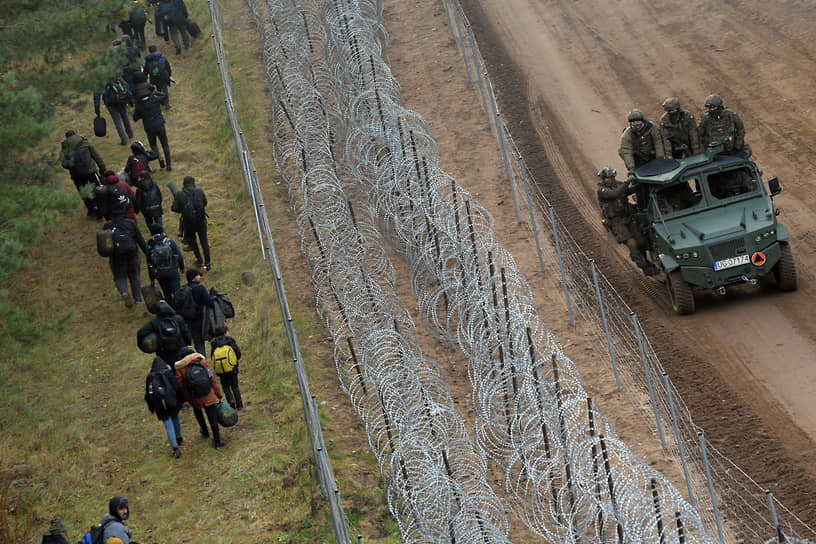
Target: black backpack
[118,200]
[152,200]
[123,242]
[80,165]
[162,258]
[184,303]
[197,380]
[192,210]
[160,392]
[95,535]
[118,93]
[170,336]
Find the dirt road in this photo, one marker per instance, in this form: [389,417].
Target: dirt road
[568,72]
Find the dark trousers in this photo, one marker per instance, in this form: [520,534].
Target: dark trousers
[161,135]
[80,182]
[175,29]
[139,35]
[127,268]
[195,234]
[212,416]
[229,383]
[169,286]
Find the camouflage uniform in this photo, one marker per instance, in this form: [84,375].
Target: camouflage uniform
[638,148]
[619,219]
[725,127]
[679,130]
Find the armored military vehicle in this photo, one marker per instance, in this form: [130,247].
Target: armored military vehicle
[711,223]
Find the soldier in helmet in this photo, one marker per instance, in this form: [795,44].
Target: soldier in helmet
[720,124]
[641,142]
[679,129]
[618,216]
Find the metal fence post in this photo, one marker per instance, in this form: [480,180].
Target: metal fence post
[561,265]
[701,438]
[679,440]
[605,323]
[648,379]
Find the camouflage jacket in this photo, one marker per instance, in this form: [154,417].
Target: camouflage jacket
[681,135]
[615,207]
[636,149]
[728,129]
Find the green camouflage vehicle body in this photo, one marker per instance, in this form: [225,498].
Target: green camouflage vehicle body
[711,223]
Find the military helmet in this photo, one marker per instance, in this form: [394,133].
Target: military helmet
[607,172]
[671,103]
[714,101]
[635,115]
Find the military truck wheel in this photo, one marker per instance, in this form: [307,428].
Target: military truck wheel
[785,273]
[680,293]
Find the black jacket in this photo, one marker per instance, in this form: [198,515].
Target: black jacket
[219,341]
[128,225]
[159,366]
[165,310]
[148,109]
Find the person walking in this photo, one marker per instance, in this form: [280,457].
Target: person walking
[148,109]
[160,72]
[115,197]
[57,533]
[125,263]
[113,522]
[117,96]
[190,301]
[225,356]
[203,393]
[138,18]
[165,261]
[174,13]
[171,332]
[139,153]
[78,156]
[148,200]
[191,203]
[164,397]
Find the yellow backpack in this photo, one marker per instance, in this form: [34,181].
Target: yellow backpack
[224,359]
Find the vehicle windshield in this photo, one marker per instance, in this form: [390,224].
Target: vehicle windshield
[731,183]
[678,197]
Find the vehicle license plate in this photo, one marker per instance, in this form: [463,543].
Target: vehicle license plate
[731,262]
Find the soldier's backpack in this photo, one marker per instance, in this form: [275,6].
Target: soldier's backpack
[162,258]
[184,303]
[95,535]
[123,242]
[170,337]
[224,359]
[197,379]
[192,210]
[160,393]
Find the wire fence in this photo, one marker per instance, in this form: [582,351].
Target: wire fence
[362,170]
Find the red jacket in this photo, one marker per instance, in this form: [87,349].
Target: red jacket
[181,371]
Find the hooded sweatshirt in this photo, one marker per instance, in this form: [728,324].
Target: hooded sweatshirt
[163,411]
[114,180]
[165,311]
[114,525]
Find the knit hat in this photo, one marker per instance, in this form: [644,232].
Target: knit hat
[139,168]
[57,526]
[156,228]
[191,274]
[112,179]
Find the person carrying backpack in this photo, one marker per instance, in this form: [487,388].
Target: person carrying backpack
[148,109]
[114,521]
[203,393]
[164,261]
[175,17]
[189,301]
[158,69]
[148,196]
[138,18]
[117,96]
[139,154]
[225,356]
[191,203]
[125,263]
[115,197]
[170,329]
[164,397]
[78,156]
[56,533]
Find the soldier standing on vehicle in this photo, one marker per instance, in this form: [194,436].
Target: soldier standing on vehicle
[720,124]
[618,216]
[641,142]
[679,129]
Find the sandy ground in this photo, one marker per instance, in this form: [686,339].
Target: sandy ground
[566,74]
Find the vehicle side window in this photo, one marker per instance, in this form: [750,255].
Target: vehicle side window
[678,197]
[731,183]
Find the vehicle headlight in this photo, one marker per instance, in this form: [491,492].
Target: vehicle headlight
[758,238]
[694,254]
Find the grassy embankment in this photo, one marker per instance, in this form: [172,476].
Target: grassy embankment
[76,430]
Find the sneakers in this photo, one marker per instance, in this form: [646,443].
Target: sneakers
[176,453]
[208,267]
[128,300]
[179,440]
